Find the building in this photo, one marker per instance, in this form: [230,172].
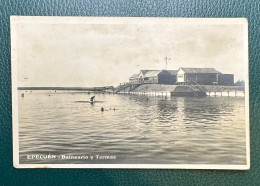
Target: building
[149,76]
[168,77]
[134,79]
[226,79]
[203,76]
[154,77]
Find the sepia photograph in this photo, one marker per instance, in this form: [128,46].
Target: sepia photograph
[130,92]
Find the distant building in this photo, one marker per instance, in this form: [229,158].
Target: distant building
[154,77]
[240,83]
[202,76]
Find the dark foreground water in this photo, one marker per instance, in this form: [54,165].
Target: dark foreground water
[155,130]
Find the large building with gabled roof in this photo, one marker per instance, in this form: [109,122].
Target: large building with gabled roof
[204,76]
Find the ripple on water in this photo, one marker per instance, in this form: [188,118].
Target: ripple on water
[176,130]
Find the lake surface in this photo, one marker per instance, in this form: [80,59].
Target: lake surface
[141,130]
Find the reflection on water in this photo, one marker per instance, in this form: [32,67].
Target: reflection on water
[155,130]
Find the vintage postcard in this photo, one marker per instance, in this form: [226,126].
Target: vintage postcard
[121,92]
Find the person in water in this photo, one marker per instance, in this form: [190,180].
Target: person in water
[92,99]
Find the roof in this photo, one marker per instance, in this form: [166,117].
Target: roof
[150,73]
[172,72]
[200,70]
[144,71]
[135,76]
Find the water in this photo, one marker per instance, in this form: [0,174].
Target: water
[157,130]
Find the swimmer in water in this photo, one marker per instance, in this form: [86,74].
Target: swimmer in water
[92,99]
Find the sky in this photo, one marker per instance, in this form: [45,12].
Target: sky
[96,54]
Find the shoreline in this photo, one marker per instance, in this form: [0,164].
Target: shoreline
[152,90]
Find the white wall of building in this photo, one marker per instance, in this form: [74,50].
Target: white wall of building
[180,76]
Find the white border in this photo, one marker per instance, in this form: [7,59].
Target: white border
[119,20]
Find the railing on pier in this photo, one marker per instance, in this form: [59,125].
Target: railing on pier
[197,89]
